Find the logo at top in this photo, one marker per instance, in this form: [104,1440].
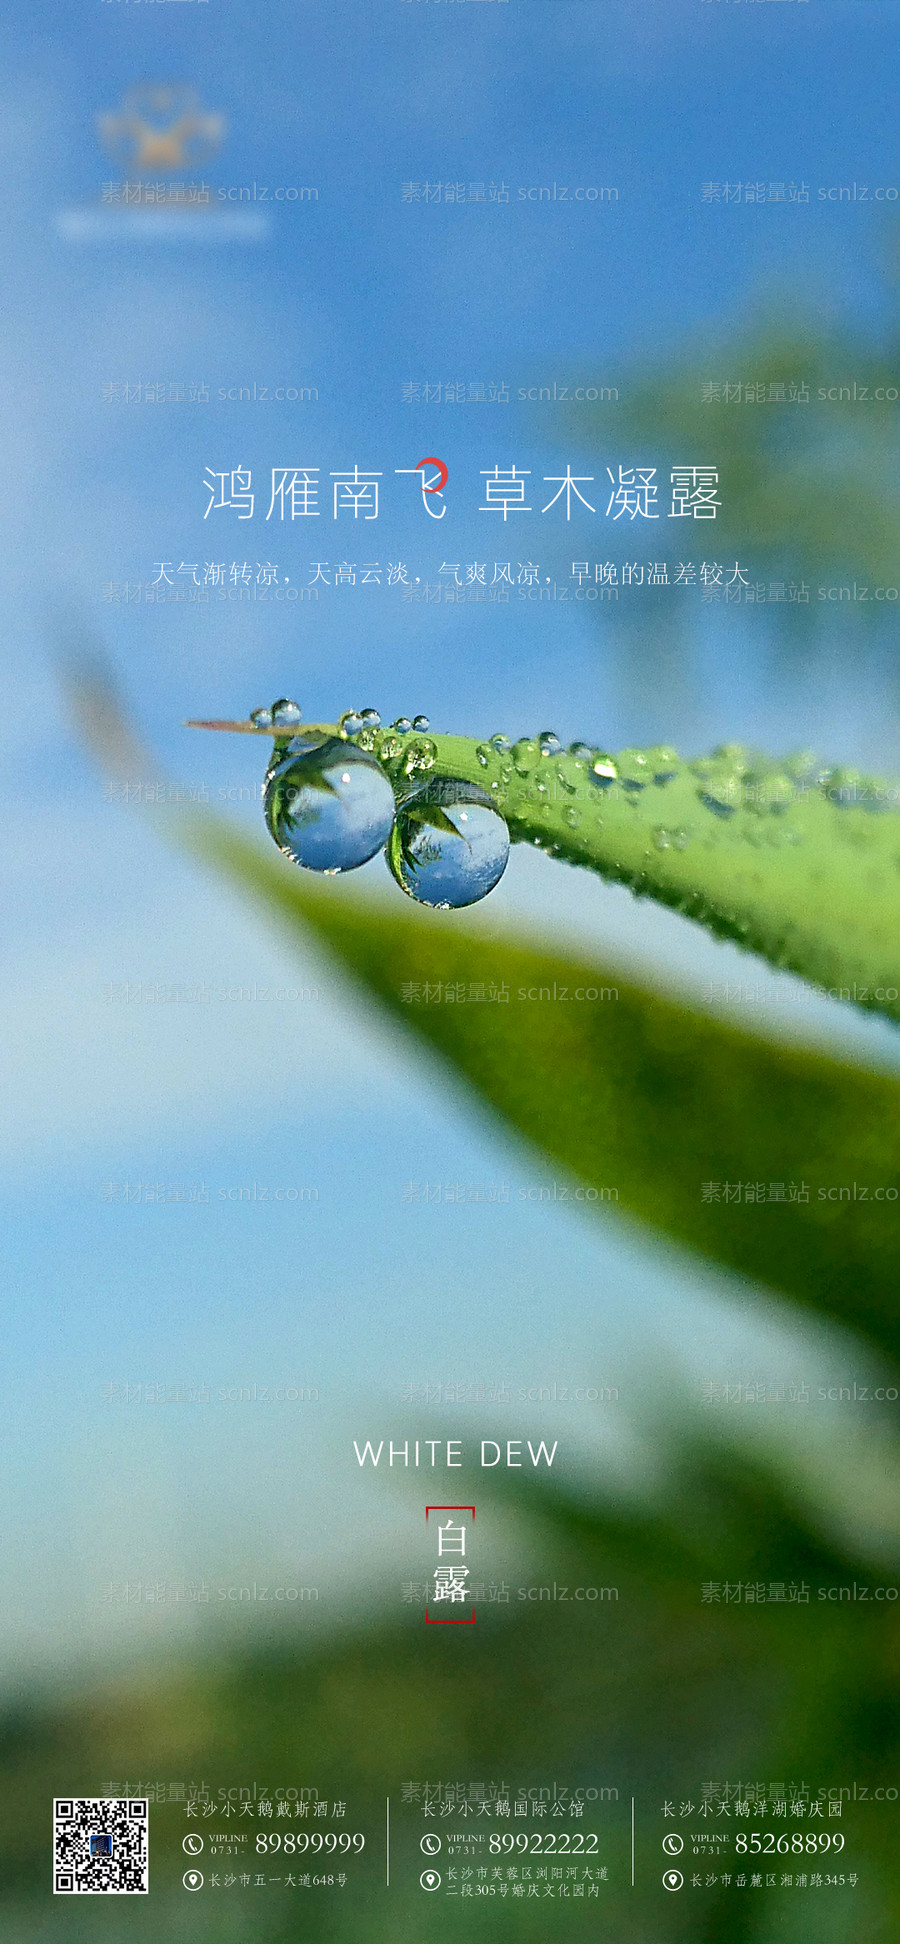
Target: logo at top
[159,129]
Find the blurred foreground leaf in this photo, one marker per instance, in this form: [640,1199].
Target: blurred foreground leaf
[642,1098]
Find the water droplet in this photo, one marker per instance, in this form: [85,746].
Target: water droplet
[388,745]
[549,743]
[526,755]
[261,718]
[501,743]
[582,751]
[844,787]
[330,807]
[285,713]
[662,838]
[403,725]
[485,754]
[350,723]
[603,771]
[634,770]
[421,723]
[368,738]
[418,756]
[370,718]
[571,816]
[681,838]
[568,777]
[802,765]
[449,846]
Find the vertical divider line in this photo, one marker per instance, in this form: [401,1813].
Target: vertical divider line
[387,1834]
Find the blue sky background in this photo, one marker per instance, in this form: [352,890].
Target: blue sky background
[355,294]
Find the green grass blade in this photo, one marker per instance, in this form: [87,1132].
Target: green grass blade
[793,861]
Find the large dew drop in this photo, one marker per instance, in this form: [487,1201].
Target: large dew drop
[286,713]
[329,806]
[449,846]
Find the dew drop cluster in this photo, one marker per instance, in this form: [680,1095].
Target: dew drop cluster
[333,801]
[330,806]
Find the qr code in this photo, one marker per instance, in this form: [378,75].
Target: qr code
[100,1845]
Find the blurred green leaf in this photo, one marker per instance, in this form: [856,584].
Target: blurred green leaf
[655,1692]
[809,481]
[640,1097]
